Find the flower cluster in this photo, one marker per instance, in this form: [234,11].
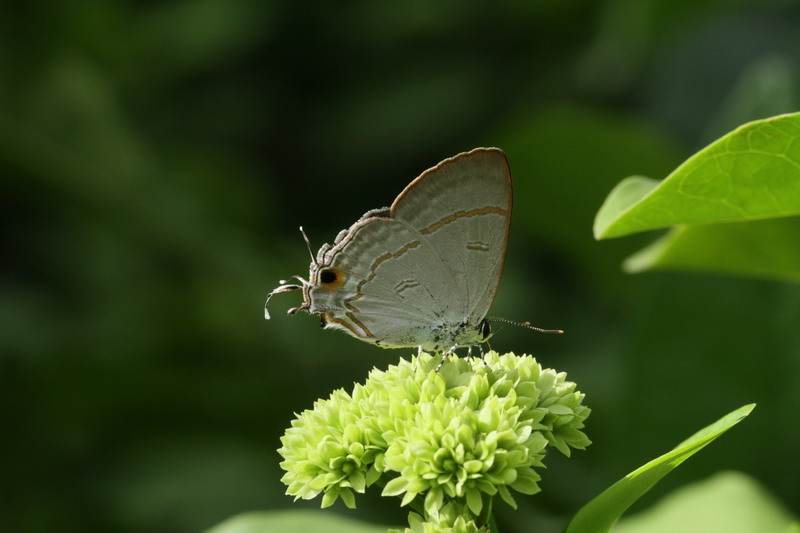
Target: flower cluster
[446,442]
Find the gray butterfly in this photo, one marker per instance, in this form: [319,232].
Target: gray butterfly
[424,271]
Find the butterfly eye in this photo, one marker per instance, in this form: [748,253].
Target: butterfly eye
[486,330]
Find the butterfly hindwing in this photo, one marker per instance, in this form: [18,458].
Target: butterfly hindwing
[462,207]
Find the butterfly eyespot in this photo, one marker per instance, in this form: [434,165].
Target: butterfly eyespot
[331,278]
[328,276]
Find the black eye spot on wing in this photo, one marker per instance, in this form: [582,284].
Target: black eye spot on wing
[326,277]
[331,278]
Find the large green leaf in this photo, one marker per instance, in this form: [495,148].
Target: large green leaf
[600,514]
[294,522]
[735,203]
[728,502]
[751,173]
[762,248]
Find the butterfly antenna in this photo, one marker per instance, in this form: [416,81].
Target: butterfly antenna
[308,245]
[526,325]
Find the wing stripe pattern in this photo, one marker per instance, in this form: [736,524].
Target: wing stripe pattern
[329,318]
[464,214]
[358,323]
[374,272]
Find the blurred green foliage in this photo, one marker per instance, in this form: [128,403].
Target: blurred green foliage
[157,158]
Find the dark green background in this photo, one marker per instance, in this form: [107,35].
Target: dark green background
[158,157]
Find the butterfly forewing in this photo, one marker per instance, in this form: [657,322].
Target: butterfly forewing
[462,208]
[382,261]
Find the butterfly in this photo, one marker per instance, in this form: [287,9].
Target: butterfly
[424,271]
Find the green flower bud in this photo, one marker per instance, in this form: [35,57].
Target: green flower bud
[449,519]
[449,440]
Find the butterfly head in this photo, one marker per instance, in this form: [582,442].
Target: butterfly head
[321,292]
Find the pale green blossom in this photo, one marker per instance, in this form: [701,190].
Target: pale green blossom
[447,441]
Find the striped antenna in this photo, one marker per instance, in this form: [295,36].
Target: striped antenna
[526,325]
[308,245]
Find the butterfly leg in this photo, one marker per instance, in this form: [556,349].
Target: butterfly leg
[480,349]
[483,355]
[445,355]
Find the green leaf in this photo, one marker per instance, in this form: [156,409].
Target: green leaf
[751,173]
[294,522]
[728,502]
[624,196]
[758,249]
[600,514]
[735,204]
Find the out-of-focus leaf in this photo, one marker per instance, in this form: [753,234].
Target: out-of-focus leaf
[600,514]
[729,502]
[294,522]
[743,248]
